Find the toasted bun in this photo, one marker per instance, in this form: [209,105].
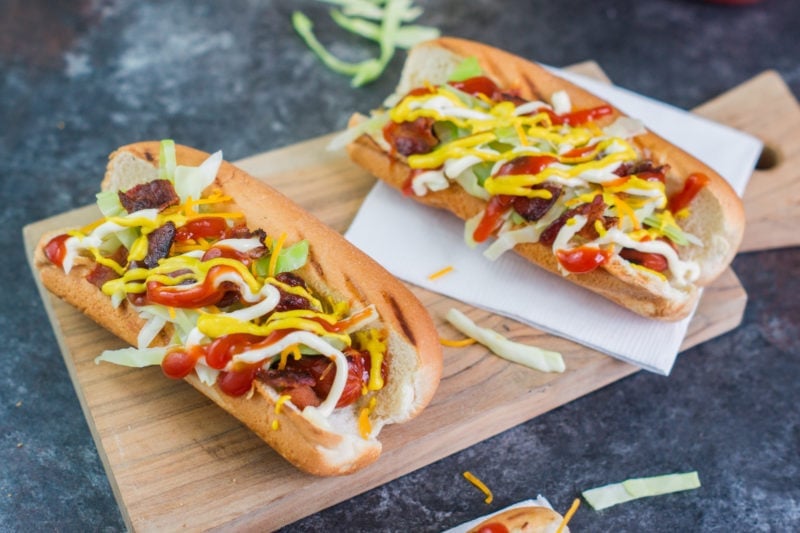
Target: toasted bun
[717,215]
[335,268]
[531,519]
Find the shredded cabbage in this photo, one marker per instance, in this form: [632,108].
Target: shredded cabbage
[151,328]
[389,33]
[609,495]
[372,125]
[133,357]
[523,354]
[407,36]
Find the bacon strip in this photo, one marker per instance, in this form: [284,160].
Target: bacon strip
[157,194]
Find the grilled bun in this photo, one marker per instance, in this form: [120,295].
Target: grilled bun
[335,270]
[716,215]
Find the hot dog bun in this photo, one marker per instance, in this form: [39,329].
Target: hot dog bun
[531,519]
[335,269]
[716,215]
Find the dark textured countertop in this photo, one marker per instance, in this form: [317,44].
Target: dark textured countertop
[81,77]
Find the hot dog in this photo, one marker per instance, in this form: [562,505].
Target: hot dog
[530,519]
[536,164]
[225,282]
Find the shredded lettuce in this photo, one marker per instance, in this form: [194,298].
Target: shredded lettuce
[468,68]
[482,171]
[206,374]
[184,320]
[370,126]
[149,331]
[190,181]
[167,160]
[109,204]
[133,357]
[609,495]
[523,354]
[289,259]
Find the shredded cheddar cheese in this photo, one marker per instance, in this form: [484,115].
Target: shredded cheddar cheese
[457,343]
[569,514]
[276,250]
[439,273]
[469,476]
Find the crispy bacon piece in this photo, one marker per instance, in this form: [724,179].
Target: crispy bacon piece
[532,209]
[288,300]
[315,374]
[159,241]
[408,138]
[644,169]
[592,211]
[156,194]
[100,274]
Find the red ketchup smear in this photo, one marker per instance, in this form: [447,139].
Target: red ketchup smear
[477,85]
[408,189]
[179,363]
[202,228]
[578,117]
[498,205]
[582,259]
[56,250]
[228,253]
[201,295]
[694,183]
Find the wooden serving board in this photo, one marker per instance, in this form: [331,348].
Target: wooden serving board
[176,461]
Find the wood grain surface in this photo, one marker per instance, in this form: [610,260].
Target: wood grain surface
[176,461]
[766,108]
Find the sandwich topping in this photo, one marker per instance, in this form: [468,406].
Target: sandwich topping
[548,174]
[230,302]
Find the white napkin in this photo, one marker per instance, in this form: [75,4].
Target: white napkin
[540,501]
[413,241]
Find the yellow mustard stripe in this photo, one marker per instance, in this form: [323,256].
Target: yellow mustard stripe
[371,341]
[215,326]
[110,263]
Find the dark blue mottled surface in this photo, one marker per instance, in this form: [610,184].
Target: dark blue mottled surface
[82,77]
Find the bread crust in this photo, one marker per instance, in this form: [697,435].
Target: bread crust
[335,268]
[531,519]
[717,212]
